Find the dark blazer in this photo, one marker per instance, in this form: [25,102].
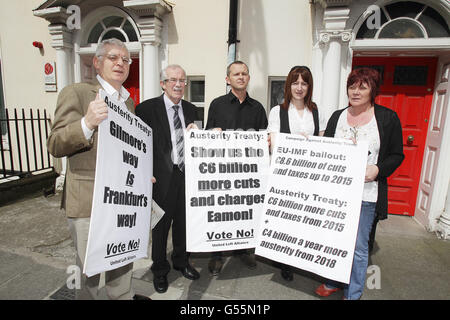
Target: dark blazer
[153,112]
[391,150]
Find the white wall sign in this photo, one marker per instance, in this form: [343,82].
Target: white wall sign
[313,200]
[50,77]
[226,173]
[120,219]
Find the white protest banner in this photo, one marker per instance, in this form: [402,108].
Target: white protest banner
[120,218]
[313,201]
[226,173]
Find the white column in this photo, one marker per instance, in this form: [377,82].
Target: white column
[331,78]
[331,40]
[62,42]
[151,87]
[150,28]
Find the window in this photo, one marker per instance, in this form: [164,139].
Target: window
[276,91]
[113,27]
[406,19]
[196,93]
[410,75]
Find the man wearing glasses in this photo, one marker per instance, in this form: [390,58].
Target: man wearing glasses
[168,116]
[79,111]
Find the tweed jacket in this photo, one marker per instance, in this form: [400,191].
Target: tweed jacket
[67,139]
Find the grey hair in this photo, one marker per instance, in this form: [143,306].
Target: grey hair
[163,75]
[236,62]
[101,48]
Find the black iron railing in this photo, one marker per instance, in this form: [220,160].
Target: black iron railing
[23,143]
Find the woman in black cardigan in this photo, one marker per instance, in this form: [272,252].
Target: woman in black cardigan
[380,126]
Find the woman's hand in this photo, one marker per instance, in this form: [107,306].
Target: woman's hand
[371,173]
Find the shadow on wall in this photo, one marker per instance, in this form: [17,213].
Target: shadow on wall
[172,29]
[252,26]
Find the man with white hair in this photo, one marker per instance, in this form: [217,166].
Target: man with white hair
[79,111]
[169,115]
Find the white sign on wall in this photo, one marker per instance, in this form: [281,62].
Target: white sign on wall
[50,77]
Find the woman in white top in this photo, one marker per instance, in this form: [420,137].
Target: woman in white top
[364,120]
[298,114]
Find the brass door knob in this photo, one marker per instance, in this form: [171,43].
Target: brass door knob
[410,139]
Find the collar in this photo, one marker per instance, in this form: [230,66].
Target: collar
[234,98]
[169,104]
[123,95]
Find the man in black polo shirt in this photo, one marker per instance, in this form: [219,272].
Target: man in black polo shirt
[236,111]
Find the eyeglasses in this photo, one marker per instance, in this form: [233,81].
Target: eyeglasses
[115,58]
[175,81]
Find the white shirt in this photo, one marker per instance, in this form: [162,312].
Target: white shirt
[170,113]
[121,96]
[297,124]
[369,133]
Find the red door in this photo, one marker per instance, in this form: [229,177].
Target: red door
[407,88]
[132,82]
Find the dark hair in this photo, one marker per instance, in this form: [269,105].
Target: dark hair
[291,78]
[365,75]
[236,62]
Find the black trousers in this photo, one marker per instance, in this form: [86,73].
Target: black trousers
[174,207]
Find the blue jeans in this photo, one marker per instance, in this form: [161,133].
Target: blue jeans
[354,289]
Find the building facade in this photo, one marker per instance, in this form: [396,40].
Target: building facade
[407,41]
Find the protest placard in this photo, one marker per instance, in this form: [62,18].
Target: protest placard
[121,206]
[226,174]
[313,201]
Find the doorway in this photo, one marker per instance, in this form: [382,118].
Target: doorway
[132,82]
[407,88]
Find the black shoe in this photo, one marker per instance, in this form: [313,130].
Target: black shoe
[248,259]
[160,283]
[140,297]
[287,274]
[189,272]
[215,266]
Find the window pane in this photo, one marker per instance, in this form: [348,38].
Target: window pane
[197,88]
[434,24]
[129,30]
[365,33]
[410,75]
[114,34]
[404,9]
[401,28]
[95,33]
[113,21]
[276,92]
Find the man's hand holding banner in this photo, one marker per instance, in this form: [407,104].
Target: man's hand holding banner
[120,218]
[226,175]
